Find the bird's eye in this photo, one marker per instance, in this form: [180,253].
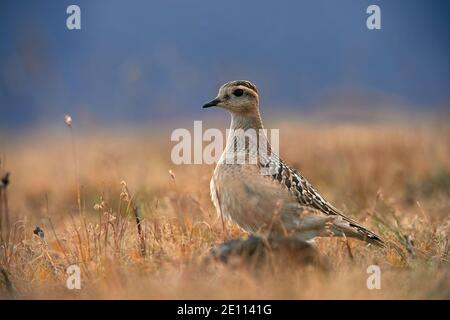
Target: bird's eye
[238,92]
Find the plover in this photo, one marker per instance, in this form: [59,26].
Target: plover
[267,197]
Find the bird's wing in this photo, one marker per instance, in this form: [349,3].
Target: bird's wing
[306,195]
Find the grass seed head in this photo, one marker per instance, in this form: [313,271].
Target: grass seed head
[68,120]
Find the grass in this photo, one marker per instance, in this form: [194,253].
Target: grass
[111,202]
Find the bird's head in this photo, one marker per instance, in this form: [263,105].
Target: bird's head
[238,97]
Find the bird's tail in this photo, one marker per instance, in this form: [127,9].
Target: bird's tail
[351,229]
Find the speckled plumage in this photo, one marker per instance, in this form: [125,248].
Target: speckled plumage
[264,195]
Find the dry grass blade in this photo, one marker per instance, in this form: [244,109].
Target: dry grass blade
[132,205]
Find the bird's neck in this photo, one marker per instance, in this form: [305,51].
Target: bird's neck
[246,137]
[246,121]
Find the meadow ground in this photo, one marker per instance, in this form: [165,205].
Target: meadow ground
[394,178]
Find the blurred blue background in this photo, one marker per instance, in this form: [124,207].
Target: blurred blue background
[143,61]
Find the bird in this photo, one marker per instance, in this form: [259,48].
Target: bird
[261,193]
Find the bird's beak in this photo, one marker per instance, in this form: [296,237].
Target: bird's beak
[212,103]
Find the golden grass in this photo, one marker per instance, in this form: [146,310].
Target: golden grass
[394,178]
